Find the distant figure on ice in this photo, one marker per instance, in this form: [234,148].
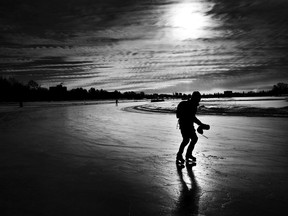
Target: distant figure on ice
[116,102]
[186,113]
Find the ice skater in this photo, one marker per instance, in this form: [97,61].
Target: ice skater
[186,113]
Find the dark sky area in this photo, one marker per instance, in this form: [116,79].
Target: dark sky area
[146,45]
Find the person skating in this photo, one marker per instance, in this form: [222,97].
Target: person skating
[186,113]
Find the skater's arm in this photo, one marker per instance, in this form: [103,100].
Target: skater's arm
[197,121]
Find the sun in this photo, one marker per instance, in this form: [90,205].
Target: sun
[188,21]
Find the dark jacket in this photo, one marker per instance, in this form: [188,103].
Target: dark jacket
[186,111]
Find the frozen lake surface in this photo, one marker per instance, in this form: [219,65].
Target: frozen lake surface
[100,159]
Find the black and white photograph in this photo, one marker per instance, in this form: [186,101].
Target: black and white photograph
[143,107]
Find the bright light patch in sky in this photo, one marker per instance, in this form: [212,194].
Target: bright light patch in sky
[188,21]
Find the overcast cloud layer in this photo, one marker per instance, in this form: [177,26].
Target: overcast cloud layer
[146,45]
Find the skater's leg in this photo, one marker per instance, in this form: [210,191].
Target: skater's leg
[183,144]
[179,157]
[185,139]
[191,146]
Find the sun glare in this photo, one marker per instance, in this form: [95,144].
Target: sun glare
[188,21]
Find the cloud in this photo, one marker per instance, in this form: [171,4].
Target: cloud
[129,45]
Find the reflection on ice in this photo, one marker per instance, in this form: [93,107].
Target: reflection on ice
[188,202]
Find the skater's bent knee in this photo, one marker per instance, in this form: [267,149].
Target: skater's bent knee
[185,141]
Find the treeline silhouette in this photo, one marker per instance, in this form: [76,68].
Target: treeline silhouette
[279,89]
[12,90]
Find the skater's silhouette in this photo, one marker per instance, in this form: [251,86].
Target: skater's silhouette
[188,202]
[186,113]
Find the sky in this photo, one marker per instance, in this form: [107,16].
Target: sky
[155,46]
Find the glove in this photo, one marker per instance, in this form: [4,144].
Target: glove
[203,127]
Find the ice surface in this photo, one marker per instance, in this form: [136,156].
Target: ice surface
[102,160]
